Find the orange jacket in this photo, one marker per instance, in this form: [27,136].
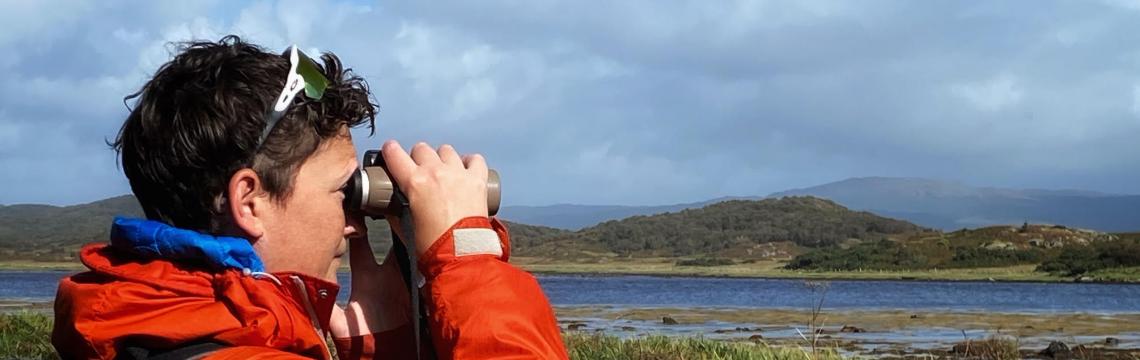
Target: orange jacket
[479,305]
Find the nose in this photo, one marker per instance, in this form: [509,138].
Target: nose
[354,225]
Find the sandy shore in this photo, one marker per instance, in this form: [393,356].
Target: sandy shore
[867,332]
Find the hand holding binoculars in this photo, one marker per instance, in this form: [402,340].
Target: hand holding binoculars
[372,191]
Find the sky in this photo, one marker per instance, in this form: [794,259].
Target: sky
[630,102]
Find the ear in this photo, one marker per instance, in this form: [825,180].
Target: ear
[248,203]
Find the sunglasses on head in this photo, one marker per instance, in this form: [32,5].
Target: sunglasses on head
[303,75]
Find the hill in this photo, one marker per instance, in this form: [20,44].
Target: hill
[952,206]
[55,233]
[738,229]
[576,217]
[44,232]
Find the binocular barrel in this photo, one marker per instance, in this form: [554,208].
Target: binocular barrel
[372,192]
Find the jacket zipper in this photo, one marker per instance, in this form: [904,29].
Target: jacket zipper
[312,311]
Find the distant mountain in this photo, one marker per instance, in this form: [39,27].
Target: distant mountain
[951,205]
[574,217]
[737,229]
[55,233]
[46,230]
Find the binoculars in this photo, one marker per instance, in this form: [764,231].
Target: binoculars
[372,192]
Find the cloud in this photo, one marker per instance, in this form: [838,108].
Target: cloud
[635,102]
[993,94]
[1136,100]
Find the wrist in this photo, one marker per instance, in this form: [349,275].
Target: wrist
[470,237]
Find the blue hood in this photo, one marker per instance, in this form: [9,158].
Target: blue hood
[155,240]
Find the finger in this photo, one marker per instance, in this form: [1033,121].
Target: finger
[448,155]
[400,165]
[476,164]
[423,154]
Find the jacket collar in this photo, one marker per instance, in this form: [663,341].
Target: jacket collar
[150,239]
[153,240]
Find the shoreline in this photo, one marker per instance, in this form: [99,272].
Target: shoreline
[834,276]
[863,332]
[760,270]
[774,270]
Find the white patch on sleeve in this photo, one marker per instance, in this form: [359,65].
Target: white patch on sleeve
[476,242]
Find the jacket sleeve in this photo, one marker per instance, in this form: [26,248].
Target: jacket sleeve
[479,306]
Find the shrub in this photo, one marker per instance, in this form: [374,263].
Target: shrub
[1079,260]
[982,257]
[705,262]
[876,255]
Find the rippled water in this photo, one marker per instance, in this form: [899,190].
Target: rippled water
[869,295]
[643,291]
[618,292]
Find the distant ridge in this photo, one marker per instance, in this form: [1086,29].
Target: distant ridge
[952,205]
[932,203]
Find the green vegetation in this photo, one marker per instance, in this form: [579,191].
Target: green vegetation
[775,269]
[1120,274]
[1099,256]
[26,335]
[877,255]
[891,255]
[738,229]
[982,257]
[994,347]
[50,233]
[725,238]
[43,236]
[597,346]
[1059,251]
[706,261]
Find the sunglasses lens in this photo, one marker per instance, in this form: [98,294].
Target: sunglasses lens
[315,81]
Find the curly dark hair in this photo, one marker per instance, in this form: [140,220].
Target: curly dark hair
[197,122]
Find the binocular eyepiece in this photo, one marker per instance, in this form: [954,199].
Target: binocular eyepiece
[372,192]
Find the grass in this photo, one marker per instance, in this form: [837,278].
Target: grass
[1124,274]
[40,265]
[26,335]
[598,346]
[994,347]
[773,269]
